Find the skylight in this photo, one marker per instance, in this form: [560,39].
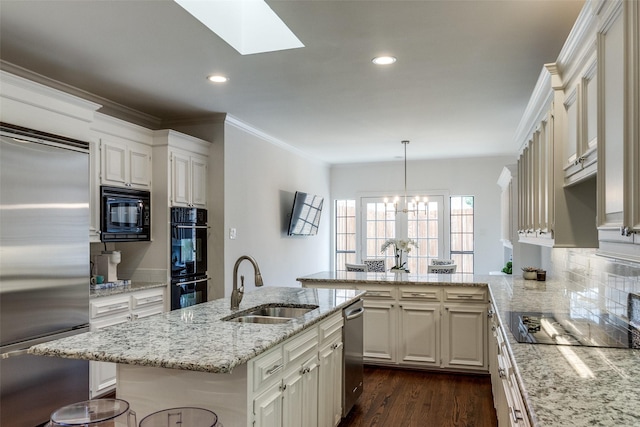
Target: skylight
[249,26]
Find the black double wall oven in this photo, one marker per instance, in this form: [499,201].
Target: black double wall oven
[189,279]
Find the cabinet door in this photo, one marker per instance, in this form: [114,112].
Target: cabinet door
[180,180]
[330,383]
[611,132]
[310,381]
[114,163]
[102,375]
[464,340]
[379,330]
[292,399]
[420,333]
[267,407]
[199,181]
[140,166]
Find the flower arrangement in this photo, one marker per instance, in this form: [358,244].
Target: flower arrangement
[530,273]
[399,246]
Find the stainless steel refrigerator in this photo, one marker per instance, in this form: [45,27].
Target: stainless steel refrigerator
[44,271]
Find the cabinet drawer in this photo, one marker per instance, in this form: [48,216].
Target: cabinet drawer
[109,306]
[267,367]
[330,327]
[382,293]
[469,293]
[423,294]
[300,346]
[146,299]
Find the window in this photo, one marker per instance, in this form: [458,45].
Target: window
[427,225]
[345,227]
[423,224]
[462,232]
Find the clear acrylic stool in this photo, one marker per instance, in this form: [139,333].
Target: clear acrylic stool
[94,413]
[181,417]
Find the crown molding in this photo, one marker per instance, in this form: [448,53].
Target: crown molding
[235,122]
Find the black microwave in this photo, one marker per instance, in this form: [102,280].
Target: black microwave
[125,215]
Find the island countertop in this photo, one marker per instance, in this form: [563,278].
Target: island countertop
[561,385]
[196,338]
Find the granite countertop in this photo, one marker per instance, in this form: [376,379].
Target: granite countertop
[196,338]
[355,278]
[561,385]
[116,290]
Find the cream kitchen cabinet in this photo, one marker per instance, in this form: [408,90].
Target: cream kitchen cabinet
[507,397]
[618,42]
[181,166]
[426,326]
[113,310]
[121,157]
[330,376]
[380,324]
[188,179]
[295,383]
[465,328]
[125,163]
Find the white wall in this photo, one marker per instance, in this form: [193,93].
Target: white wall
[468,177]
[261,179]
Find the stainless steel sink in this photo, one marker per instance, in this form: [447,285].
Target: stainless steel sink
[259,319]
[289,312]
[270,314]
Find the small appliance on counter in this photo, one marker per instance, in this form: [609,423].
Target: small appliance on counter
[107,265]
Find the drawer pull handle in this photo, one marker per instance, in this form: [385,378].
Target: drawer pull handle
[416,294]
[465,296]
[516,414]
[275,369]
[117,307]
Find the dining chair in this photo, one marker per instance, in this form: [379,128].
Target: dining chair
[355,267]
[441,261]
[375,265]
[442,269]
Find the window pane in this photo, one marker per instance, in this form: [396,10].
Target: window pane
[345,237]
[462,228]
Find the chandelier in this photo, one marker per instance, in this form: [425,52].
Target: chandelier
[416,204]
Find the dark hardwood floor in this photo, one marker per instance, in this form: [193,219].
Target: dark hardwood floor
[409,398]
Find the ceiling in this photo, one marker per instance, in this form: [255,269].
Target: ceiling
[464,74]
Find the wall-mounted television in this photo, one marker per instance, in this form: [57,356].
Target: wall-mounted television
[305,214]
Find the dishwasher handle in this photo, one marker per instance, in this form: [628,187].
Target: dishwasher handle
[354,314]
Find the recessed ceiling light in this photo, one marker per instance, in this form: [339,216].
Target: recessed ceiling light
[383,60]
[218,79]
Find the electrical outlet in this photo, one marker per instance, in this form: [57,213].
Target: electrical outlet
[232,233]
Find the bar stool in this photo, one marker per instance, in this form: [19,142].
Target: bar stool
[181,417]
[94,413]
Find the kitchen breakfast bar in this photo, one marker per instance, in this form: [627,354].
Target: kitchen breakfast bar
[195,357]
[561,385]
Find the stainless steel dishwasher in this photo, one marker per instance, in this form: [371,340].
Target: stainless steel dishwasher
[352,356]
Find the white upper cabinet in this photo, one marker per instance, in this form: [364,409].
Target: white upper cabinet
[618,43]
[125,163]
[181,165]
[188,179]
[120,157]
[558,139]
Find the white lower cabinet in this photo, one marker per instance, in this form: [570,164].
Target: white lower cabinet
[441,327]
[330,379]
[420,333]
[507,398]
[464,336]
[296,383]
[113,310]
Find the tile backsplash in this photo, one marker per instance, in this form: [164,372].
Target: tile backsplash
[599,285]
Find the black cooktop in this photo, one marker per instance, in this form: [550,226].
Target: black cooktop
[565,329]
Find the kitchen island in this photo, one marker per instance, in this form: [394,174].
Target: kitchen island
[193,357]
[561,385]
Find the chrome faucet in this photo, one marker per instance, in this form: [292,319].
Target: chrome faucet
[237,293]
